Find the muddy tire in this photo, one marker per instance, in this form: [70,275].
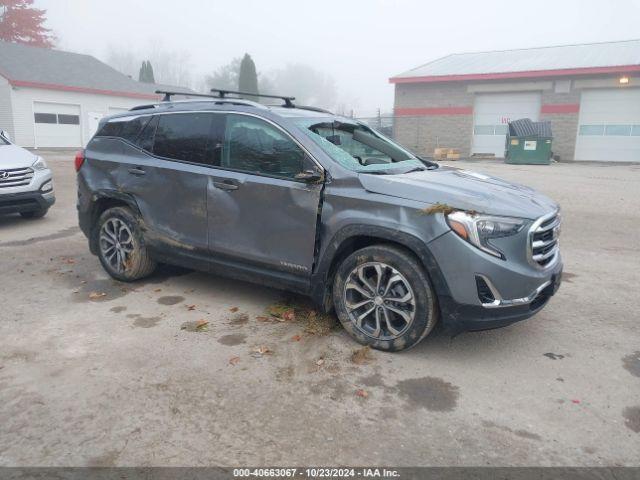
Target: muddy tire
[121,248]
[383,298]
[34,214]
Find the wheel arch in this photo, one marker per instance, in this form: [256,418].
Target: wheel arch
[354,237]
[102,201]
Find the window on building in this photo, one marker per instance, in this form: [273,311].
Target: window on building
[68,119]
[46,118]
[591,130]
[483,130]
[635,131]
[618,130]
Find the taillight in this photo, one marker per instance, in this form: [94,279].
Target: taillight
[79,159]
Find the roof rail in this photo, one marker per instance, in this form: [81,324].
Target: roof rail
[288,101]
[168,94]
[314,109]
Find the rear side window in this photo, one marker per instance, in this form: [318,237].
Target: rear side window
[184,136]
[126,128]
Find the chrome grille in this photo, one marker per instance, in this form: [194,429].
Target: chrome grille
[15,177]
[543,240]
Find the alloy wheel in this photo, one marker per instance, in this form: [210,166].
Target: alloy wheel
[116,244]
[379,300]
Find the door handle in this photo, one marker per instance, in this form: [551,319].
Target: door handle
[226,185]
[137,171]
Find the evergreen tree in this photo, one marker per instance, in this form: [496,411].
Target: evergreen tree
[150,76]
[248,77]
[142,76]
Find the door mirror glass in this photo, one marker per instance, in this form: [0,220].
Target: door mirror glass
[311,175]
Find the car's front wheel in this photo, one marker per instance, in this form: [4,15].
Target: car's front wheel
[121,248]
[384,299]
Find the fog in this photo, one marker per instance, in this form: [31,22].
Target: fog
[353,47]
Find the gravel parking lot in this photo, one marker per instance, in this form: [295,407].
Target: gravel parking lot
[94,372]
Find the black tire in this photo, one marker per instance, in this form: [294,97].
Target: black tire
[136,263]
[410,279]
[34,214]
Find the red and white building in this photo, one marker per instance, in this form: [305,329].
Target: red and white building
[590,93]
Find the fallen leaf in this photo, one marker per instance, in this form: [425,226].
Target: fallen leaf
[234,361]
[234,309]
[296,338]
[262,318]
[575,401]
[96,295]
[68,261]
[262,350]
[158,290]
[362,393]
[361,356]
[320,362]
[191,307]
[201,325]
[289,316]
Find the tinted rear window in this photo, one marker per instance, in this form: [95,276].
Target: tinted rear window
[183,136]
[126,129]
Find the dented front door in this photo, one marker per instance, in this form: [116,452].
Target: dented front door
[259,212]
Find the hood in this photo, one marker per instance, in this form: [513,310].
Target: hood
[12,156]
[464,190]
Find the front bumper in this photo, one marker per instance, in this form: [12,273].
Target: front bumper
[481,292]
[26,202]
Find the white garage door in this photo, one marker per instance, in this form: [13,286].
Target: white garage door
[609,126]
[57,125]
[491,114]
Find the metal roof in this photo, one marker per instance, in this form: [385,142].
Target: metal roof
[36,67]
[567,59]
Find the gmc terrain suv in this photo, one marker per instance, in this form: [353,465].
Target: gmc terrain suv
[26,186]
[310,202]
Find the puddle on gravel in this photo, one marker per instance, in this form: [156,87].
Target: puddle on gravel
[631,363]
[170,300]
[568,277]
[232,340]
[143,322]
[520,432]
[429,392]
[239,319]
[632,418]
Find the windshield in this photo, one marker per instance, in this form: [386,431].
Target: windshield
[358,147]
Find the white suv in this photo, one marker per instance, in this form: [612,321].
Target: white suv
[26,186]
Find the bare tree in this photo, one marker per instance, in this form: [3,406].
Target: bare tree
[225,77]
[308,85]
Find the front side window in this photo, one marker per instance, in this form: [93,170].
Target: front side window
[183,136]
[253,145]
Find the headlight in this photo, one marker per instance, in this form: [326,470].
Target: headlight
[480,229]
[39,164]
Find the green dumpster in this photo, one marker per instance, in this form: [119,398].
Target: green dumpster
[529,143]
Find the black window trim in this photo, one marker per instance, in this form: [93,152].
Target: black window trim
[308,155]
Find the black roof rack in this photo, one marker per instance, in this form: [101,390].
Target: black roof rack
[288,101]
[168,94]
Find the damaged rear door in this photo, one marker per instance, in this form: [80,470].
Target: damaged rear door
[259,212]
[170,186]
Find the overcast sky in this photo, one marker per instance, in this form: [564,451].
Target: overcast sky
[360,43]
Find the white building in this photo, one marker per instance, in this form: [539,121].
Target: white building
[55,99]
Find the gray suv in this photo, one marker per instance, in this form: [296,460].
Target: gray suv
[310,202]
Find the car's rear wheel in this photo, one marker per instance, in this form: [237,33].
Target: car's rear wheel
[34,213]
[384,299]
[121,248]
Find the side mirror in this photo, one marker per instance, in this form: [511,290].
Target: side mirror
[5,134]
[310,176]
